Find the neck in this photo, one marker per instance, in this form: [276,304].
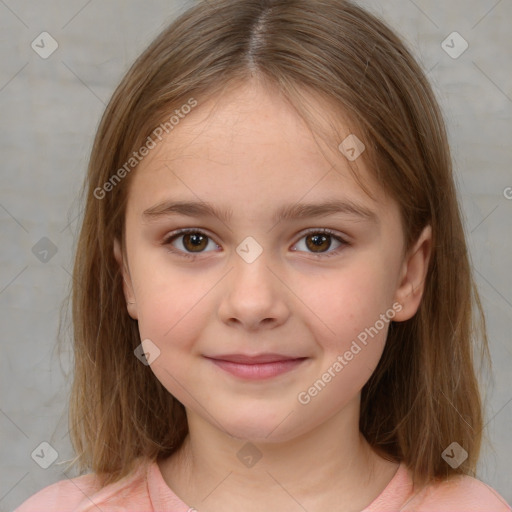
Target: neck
[215,471]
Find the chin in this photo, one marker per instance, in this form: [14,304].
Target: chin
[256,428]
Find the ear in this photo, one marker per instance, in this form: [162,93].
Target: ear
[131,304]
[412,276]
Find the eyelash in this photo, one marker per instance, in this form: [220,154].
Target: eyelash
[167,241]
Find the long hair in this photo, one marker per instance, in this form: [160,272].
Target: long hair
[424,393]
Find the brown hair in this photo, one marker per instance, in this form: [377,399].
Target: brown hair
[424,393]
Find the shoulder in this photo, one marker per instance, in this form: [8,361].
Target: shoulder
[460,493]
[85,493]
[63,495]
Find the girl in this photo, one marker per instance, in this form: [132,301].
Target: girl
[273,304]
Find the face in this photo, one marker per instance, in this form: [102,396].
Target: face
[257,315]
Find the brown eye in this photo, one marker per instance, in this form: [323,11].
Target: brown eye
[195,242]
[318,242]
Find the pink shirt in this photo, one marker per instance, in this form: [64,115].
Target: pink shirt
[146,491]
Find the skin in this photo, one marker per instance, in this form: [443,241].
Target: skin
[249,151]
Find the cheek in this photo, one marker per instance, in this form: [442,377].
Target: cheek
[171,317]
[342,379]
[349,301]
[173,320]
[351,307]
[358,312]
[170,302]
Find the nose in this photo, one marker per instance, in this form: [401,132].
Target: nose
[255,296]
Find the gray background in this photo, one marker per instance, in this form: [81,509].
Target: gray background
[50,109]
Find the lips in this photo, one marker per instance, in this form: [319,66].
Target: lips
[255,359]
[256,367]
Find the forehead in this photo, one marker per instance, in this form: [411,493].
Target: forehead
[245,146]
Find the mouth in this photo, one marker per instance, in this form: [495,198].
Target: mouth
[263,366]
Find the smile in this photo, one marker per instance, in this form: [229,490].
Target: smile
[258,367]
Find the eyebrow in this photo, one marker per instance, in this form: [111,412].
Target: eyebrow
[288,212]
